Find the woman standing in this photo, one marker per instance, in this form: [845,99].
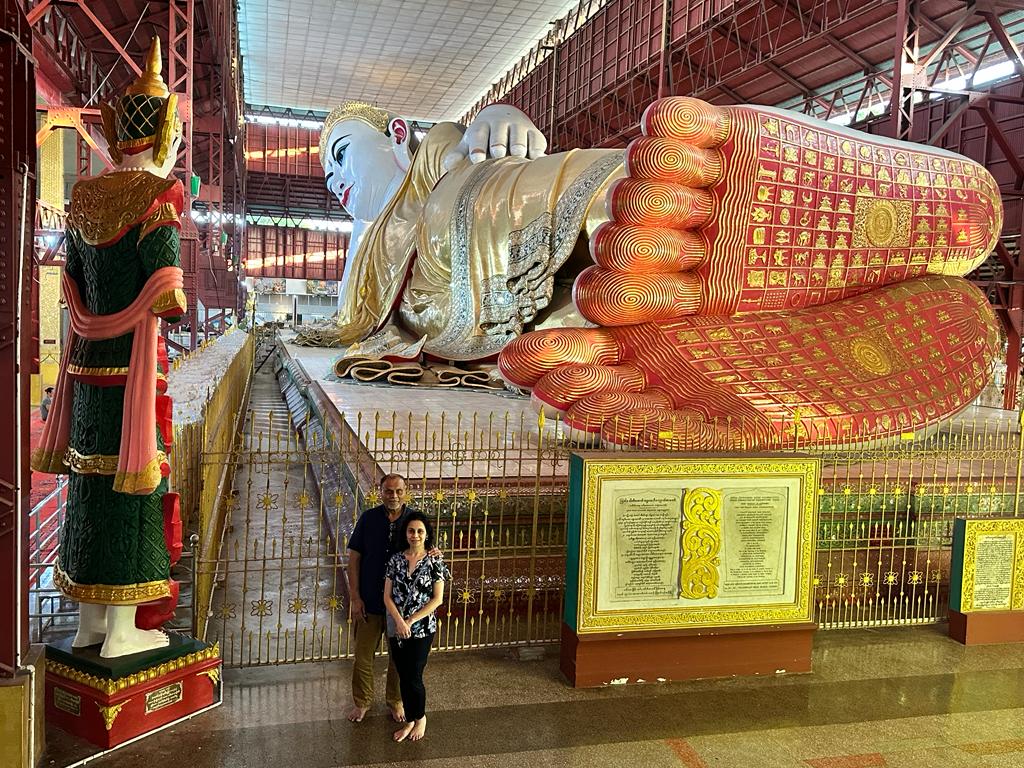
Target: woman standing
[413,589]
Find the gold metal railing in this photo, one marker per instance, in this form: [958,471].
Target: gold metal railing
[200,480]
[495,487]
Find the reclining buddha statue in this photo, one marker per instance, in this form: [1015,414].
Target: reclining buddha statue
[748,266]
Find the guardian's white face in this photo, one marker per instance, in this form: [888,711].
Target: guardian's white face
[359,168]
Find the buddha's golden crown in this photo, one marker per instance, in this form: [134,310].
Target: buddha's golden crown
[352,110]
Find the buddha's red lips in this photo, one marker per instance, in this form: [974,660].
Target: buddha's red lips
[344,196]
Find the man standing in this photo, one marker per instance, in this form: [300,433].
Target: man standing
[370,546]
[44,406]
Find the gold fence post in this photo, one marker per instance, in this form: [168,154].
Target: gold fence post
[1020,460]
[531,589]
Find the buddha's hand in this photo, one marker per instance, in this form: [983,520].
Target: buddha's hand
[498,130]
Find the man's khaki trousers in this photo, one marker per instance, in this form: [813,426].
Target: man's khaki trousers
[368,635]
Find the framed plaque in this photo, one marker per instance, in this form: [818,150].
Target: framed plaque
[672,541]
[988,565]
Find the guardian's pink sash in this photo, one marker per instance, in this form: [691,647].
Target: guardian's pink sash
[138,464]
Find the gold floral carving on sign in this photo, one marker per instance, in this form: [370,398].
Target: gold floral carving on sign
[701,542]
[881,223]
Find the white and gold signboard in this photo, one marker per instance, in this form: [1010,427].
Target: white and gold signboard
[988,565]
[669,541]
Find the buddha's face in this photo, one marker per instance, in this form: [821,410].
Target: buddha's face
[359,166]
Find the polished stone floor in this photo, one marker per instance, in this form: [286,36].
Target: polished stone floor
[906,698]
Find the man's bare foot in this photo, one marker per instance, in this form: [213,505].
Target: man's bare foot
[397,713]
[870,366]
[356,714]
[403,733]
[738,209]
[419,729]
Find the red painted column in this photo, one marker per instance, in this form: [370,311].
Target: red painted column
[17,221]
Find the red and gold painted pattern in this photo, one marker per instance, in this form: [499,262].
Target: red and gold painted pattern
[773,210]
[767,276]
[873,365]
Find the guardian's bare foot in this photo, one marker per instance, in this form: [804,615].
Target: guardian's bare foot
[869,366]
[126,641]
[92,625]
[397,713]
[727,210]
[123,637]
[419,729]
[403,733]
[356,714]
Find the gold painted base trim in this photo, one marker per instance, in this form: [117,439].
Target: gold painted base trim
[108,686]
[109,594]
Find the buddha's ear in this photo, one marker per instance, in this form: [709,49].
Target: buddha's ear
[400,135]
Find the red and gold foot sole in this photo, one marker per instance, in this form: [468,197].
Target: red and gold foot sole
[727,210]
[870,366]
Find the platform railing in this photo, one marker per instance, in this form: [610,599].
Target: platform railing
[495,488]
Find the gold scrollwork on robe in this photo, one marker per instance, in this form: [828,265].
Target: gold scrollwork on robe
[701,540]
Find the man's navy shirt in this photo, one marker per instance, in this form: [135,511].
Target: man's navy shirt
[375,538]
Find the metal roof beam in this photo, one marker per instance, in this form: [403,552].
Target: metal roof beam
[794,9]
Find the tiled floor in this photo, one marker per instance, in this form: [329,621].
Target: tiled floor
[899,698]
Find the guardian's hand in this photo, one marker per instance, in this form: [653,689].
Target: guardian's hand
[497,131]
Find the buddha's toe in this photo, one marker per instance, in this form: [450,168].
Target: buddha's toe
[527,358]
[590,413]
[556,392]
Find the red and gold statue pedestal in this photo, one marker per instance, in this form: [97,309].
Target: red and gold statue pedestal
[111,701]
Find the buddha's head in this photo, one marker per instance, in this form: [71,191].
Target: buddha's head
[363,151]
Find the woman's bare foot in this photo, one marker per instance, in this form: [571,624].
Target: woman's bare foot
[356,714]
[403,733]
[419,729]
[397,713]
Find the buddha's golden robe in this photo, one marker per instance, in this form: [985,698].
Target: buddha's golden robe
[465,260]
